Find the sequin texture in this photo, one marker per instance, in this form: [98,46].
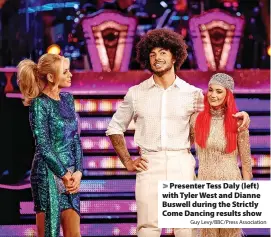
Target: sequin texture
[58,147]
[215,164]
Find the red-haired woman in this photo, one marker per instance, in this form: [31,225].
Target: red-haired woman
[218,141]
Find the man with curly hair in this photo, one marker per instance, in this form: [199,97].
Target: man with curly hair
[161,107]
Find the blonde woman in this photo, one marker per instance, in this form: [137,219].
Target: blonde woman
[57,166]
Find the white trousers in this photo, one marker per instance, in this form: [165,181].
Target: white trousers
[162,165]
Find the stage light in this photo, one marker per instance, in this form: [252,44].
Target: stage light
[227,4]
[163,4]
[256,9]
[235,4]
[116,231]
[2,3]
[269,50]
[53,49]
[181,5]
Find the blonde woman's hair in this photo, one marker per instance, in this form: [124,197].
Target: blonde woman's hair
[32,77]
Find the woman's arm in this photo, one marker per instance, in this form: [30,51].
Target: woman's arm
[40,126]
[245,154]
[192,123]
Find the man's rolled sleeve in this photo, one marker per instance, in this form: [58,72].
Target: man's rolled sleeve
[123,116]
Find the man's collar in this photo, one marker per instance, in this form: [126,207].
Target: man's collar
[151,82]
[178,82]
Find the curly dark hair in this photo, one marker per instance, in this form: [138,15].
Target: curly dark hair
[161,38]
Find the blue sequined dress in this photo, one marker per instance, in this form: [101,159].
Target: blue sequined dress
[58,148]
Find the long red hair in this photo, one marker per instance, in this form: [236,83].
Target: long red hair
[202,126]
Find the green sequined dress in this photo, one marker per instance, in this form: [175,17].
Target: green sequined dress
[58,148]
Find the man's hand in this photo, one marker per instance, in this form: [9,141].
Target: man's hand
[246,120]
[138,164]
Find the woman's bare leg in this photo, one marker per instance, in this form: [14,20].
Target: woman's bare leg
[70,221]
[40,222]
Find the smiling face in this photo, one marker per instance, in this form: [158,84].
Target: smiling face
[64,76]
[216,95]
[161,61]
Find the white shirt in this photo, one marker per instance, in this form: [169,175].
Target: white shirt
[161,116]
